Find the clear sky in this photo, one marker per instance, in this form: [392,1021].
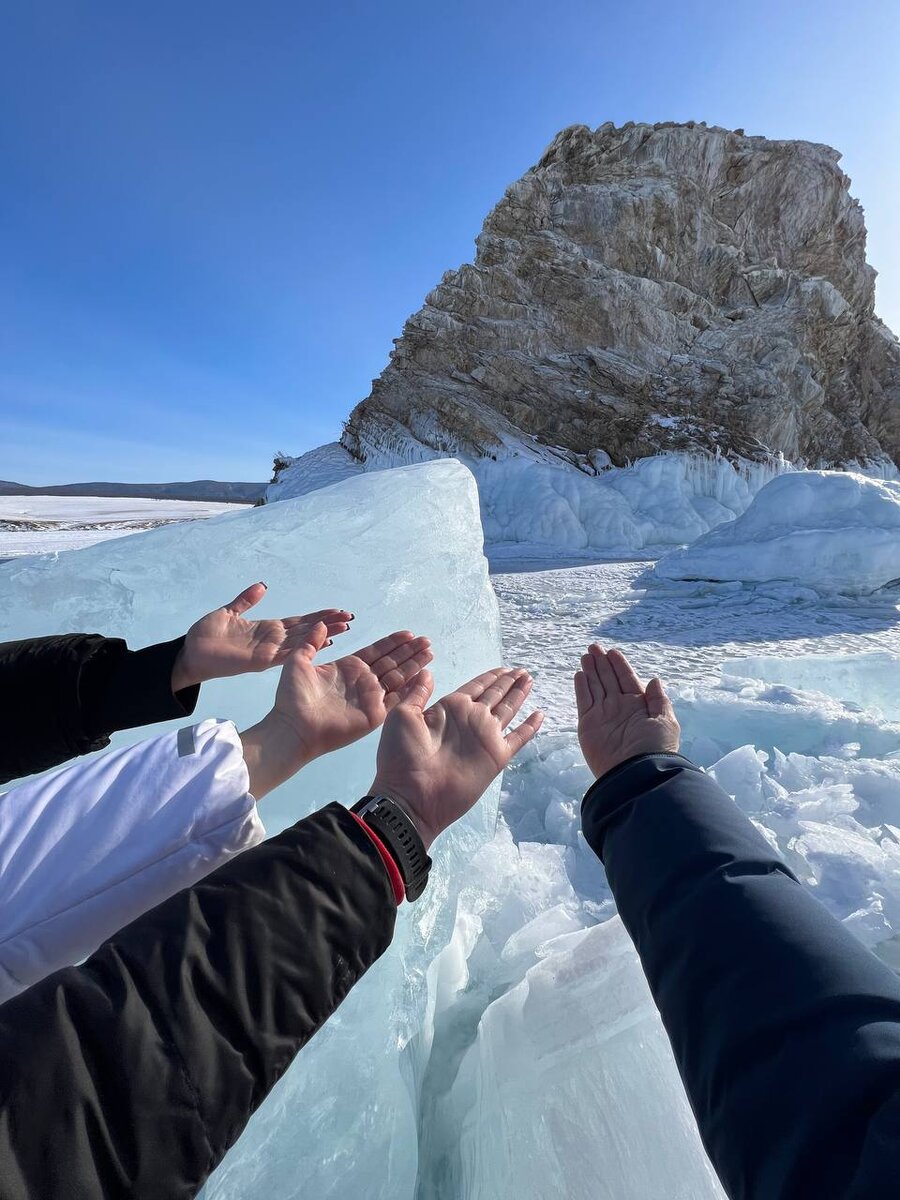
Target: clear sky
[215,216]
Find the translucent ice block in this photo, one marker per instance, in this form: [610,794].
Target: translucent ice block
[401,549]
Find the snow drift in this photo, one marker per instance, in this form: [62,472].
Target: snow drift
[828,530]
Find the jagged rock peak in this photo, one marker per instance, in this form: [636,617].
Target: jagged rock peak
[651,288]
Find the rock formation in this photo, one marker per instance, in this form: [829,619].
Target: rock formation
[651,288]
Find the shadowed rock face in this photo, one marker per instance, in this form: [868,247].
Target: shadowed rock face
[650,288]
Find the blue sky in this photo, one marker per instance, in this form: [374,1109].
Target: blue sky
[214,217]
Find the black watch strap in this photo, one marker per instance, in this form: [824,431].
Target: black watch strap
[388,820]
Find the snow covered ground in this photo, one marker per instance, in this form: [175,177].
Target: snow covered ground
[45,524]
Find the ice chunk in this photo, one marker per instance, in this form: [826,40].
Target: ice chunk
[828,530]
[549,1073]
[569,1089]
[401,549]
[774,716]
[870,681]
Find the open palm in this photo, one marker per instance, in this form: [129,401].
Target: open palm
[617,717]
[225,643]
[332,705]
[437,762]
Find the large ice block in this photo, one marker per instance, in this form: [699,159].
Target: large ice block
[401,549]
[550,1072]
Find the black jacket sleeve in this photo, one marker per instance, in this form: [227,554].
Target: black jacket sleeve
[785,1029]
[63,696]
[131,1075]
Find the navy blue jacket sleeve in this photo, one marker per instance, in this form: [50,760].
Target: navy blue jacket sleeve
[785,1029]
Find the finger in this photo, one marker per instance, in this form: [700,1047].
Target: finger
[416,693]
[605,672]
[248,597]
[386,645]
[523,733]
[402,654]
[625,673]
[298,633]
[507,708]
[330,616]
[397,678]
[495,692]
[658,702]
[589,667]
[584,701]
[476,687]
[313,642]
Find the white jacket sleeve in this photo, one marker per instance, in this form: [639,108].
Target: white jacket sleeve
[86,849]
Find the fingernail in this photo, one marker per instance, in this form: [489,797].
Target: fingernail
[265,585]
[353,616]
[330,642]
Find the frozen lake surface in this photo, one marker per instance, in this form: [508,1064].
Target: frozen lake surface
[45,524]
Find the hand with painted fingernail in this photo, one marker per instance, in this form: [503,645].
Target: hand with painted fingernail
[618,717]
[437,762]
[225,643]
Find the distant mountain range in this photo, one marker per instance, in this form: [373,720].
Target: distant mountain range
[198,489]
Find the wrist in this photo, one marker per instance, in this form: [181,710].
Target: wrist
[182,674]
[272,753]
[427,832]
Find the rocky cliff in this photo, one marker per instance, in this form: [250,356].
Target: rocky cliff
[644,289]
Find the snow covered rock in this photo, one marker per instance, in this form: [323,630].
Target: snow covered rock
[648,288]
[641,290]
[316,469]
[401,550]
[827,530]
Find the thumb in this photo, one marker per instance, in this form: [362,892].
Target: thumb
[658,703]
[417,692]
[248,597]
[313,642]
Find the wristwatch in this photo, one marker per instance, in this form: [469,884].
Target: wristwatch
[390,823]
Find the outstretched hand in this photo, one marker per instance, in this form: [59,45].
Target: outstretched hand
[322,708]
[617,717]
[225,643]
[332,705]
[437,762]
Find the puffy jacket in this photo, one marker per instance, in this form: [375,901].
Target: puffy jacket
[63,696]
[130,1076]
[786,1030]
[86,849]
